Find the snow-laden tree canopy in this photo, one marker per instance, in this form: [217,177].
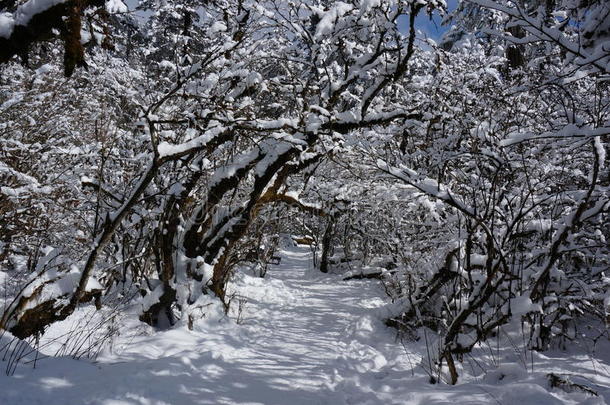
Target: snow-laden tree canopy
[473,172]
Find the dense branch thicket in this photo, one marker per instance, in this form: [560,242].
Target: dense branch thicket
[473,175]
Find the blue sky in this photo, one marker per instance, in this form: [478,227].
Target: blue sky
[432,27]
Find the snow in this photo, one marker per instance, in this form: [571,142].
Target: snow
[218,26]
[32,7]
[167,149]
[152,298]
[303,338]
[7,22]
[328,20]
[569,131]
[277,124]
[477,259]
[116,6]
[46,68]
[55,284]
[600,151]
[239,162]
[273,152]
[426,185]
[366,5]
[16,98]
[523,305]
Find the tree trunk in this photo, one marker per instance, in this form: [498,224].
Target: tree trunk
[327,244]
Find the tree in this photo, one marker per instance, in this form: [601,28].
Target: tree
[213,123]
[472,176]
[518,170]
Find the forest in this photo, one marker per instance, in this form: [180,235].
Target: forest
[418,181]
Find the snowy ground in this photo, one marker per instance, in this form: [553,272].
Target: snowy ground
[303,339]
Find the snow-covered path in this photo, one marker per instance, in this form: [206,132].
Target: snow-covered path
[298,334]
[304,338]
[302,341]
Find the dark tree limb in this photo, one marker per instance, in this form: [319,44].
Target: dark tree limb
[64,17]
